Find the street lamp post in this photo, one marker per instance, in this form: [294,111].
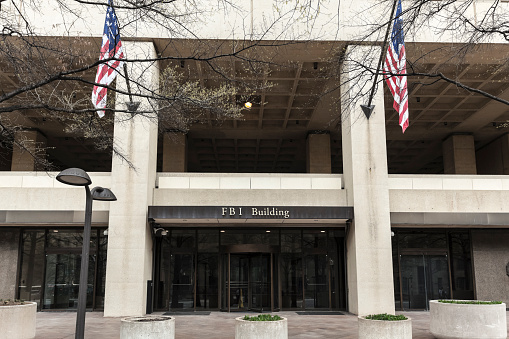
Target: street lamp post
[78,177]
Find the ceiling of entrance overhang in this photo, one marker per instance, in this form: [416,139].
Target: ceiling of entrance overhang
[303,97]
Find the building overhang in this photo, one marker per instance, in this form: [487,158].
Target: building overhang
[250,215]
[455,219]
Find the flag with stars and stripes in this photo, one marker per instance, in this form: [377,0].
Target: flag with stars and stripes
[111,48]
[395,69]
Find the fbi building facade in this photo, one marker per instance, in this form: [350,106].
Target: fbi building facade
[303,203]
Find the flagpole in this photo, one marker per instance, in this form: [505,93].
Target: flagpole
[132,106]
[368,109]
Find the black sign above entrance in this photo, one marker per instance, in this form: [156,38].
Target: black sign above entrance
[249,212]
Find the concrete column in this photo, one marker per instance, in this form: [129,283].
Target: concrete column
[174,152]
[34,146]
[318,158]
[459,155]
[9,250]
[369,253]
[494,157]
[129,262]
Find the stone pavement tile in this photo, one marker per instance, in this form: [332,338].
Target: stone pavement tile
[218,325]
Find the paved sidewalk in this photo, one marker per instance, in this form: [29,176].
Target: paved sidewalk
[218,325]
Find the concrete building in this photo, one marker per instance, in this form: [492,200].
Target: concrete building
[289,207]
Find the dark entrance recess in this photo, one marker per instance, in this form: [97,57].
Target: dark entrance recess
[50,262]
[262,269]
[431,265]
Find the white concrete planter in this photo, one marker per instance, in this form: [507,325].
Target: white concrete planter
[467,320]
[245,329]
[384,329]
[153,327]
[18,321]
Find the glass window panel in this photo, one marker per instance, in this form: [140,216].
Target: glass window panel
[336,262]
[163,276]
[208,241]
[62,281]
[183,239]
[207,291]
[314,239]
[316,281]
[69,239]
[395,265]
[422,240]
[291,241]
[461,262]
[291,281]
[101,270]
[32,266]
[182,282]
[257,236]
[260,281]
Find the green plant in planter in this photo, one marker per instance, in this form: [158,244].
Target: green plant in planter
[387,317]
[9,302]
[469,302]
[262,317]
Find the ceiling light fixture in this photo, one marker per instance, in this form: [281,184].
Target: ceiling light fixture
[248,104]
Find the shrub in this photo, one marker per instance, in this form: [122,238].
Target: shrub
[262,317]
[9,302]
[469,302]
[385,316]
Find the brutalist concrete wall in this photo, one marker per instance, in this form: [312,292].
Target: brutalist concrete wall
[491,257]
[9,243]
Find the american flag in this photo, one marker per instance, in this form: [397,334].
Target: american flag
[395,69]
[111,48]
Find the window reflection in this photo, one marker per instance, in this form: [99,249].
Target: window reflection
[51,264]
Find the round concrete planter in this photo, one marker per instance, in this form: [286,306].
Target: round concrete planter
[467,320]
[18,321]
[384,329]
[153,327]
[245,329]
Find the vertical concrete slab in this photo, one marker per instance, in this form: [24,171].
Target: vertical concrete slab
[174,152]
[9,244]
[129,261]
[490,252]
[318,158]
[369,255]
[34,146]
[459,155]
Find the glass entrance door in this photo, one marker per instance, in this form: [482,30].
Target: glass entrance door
[260,282]
[62,281]
[424,277]
[248,286]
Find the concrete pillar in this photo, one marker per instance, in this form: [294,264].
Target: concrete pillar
[129,262]
[459,155]
[9,251]
[369,253]
[174,152]
[318,158]
[27,158]
[494,157]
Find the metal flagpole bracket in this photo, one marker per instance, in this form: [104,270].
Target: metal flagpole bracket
[368,110]
[132,106]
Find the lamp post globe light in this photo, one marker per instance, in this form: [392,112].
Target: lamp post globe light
[78,177]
